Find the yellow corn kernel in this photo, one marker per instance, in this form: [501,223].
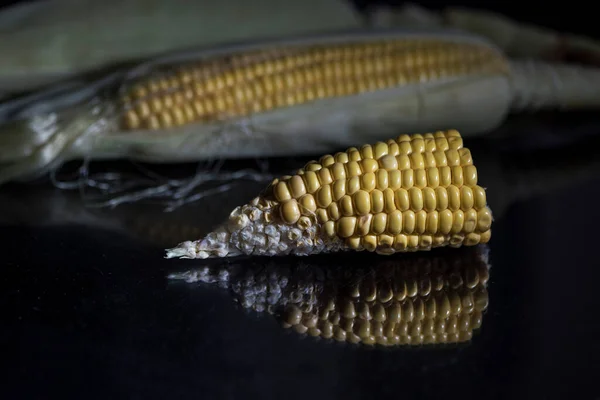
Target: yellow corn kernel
[223,87]
[377,216]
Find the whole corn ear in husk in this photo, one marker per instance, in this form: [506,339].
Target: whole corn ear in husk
[412,193]
[274,98]
[293,96]
[432,298]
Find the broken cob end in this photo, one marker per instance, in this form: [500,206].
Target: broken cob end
[260,228]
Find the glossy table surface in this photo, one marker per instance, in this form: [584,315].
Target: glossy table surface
[87,310]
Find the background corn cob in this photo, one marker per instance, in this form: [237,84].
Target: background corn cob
[293,96]
[427,299]
[265,99]
[239,85]
[414,193]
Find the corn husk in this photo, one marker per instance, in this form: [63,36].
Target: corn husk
[43,42]
[80,120]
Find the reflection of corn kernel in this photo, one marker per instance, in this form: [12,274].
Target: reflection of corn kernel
[403,304]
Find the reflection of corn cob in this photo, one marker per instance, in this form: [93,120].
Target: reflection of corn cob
[413,193]
[259,81]
[425,299]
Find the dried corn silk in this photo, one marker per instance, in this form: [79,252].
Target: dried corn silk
[423,298]
[416,192]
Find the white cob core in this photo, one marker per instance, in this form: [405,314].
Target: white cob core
[257,229]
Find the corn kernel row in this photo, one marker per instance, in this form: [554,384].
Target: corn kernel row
[440,306]
[439,142]
[372,197]
[408,223]
[423,281]
[442,317]
[325,186]
[418,332]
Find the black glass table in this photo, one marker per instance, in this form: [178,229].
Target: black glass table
[88,311]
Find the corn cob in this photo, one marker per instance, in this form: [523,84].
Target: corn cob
[413,193]
[238,85]
[294,96]
[258,99]
[426,299]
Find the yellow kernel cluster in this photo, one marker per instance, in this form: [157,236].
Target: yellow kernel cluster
[396,307]
[412,193]
[238,85]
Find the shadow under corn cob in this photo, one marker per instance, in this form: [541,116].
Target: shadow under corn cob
[411,299]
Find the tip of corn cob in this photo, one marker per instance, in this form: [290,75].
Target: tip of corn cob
[257,228]
[415,192]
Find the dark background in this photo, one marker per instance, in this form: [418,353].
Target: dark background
[86,312]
